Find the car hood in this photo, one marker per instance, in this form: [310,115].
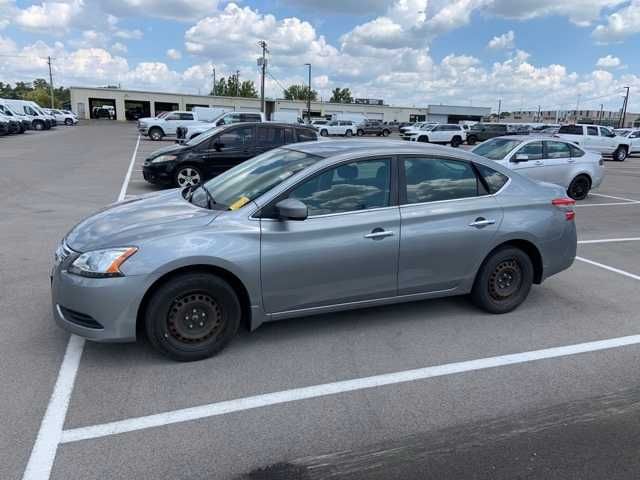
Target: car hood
[131,221]
[175,148]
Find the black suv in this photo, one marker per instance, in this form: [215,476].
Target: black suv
[218,150]
[372,127]
[484,131]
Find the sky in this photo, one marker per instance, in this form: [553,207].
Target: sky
[556,54]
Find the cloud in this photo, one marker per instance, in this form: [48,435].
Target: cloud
[169,10]
[54,17]
[503,42]
[623,23]
[608,62]
[174,54]
[580,12]
[339,7]
[135,34]
[119,48]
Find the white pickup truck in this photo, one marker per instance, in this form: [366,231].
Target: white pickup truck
[156,128]
[187,132]
[598,139]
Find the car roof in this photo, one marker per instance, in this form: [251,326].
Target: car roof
[333,148]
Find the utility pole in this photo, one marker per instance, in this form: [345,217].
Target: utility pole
[601,114]
[309,95]
[237,81]
[499,108]
[50,82]
[624,108]
[538,113]
[213,90]
[263,63]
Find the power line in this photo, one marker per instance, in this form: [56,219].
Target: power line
[275,79]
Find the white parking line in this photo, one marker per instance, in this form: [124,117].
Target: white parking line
[606,204]
[607,267]
[609,240]
[49,435]
[322,390]
[611,196]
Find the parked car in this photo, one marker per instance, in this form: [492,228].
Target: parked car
[104,111]
[23,122]
[309,229]
[373,127]
[550,160]
[5,125]
[41,121]
[317,123]
[597,138]
[345,128]
[188,132]
[484,131]
[407,130]
[455,135]
[633,135]
[61,117]
[219,150]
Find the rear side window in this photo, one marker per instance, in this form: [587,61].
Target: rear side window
[571,130]
[186,116]
[494,180]
[576,152]
[593,131]
[435,179]
[307,135]
[557,150]
[271,136]
[250,117]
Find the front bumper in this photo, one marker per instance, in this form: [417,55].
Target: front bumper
[26,124]
[99,309]
[160,174]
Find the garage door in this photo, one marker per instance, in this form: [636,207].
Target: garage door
[293,110]
[248,109]
[375,116]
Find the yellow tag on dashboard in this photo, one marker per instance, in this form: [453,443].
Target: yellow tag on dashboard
[238,203]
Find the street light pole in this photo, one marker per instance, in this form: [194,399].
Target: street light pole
[309,95]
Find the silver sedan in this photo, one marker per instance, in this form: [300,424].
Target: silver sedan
[307,229]
[547,159]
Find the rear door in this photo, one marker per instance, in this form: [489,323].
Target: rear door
[448,221]
[592,139]
[635,141]
[268,137]
[558,162]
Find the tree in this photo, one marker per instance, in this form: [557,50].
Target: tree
[299,92]
[37,91]
[248,89]
[505,114]
[341,95]
[227,88]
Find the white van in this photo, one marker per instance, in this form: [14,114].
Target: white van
[13,111]
[286,117]
[42,121]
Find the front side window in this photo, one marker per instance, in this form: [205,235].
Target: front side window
[347,188]
[533,151]
[173,116]
[250,117]
[235,138]
[306,135]
[557,150]
[571,130]
[186,116]
[593,131]
[437,179]
[229,119]
[605,132]
[635,135]
[270,136]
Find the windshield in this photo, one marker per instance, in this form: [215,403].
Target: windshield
[247,181]
[496,148]
[204,136]
[162,115]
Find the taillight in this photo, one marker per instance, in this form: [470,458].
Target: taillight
[567,205]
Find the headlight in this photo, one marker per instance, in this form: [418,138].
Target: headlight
[164,158]
[101,263]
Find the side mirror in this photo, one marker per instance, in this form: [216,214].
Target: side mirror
[292,209]
[612,135]
[521,157]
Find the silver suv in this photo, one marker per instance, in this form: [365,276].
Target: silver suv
[306,229]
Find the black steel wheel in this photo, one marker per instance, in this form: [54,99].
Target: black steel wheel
[456,142]
[68,122]
[192,316]
[324,132]
[471,140]
[385,133]
[503,281]
[348,133]
[579,187]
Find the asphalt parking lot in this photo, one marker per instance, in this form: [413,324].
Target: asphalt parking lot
[432,389]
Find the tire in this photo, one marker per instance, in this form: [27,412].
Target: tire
[187,176]
[471,140]
[192,317]
[360,133]
[456,142]
[156,134]
[423,139]
[503,281]
[348,133]
[38,126]
[324,133]
[68,122]
[579,187]
[385,133]
[620,154]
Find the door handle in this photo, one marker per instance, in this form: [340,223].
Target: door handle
[539,162]
[379,233]
[481,222]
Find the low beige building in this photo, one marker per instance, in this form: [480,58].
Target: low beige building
[126,103]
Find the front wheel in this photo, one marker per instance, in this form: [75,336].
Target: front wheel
[423,139]
[503,281]
[38,126]
[620,154]
[360,133]
[156,134]
[192,316]
[187,176]
[348,133]
[385,133]
[68,122]
[456,142]
[324,133]
[579,187]
[471,140]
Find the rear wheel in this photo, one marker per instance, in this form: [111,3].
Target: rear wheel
[620,154]
[68,122]
[360,132]
[192,317]
[324,133]
[156,134]
[579,187]
[472,139]
[187,176]
[503,281]
[348,133]
[385,133]
[423,139]
[456,142]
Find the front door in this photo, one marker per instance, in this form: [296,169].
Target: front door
[345,251]
[228,149]
[448,222]
[528,161]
